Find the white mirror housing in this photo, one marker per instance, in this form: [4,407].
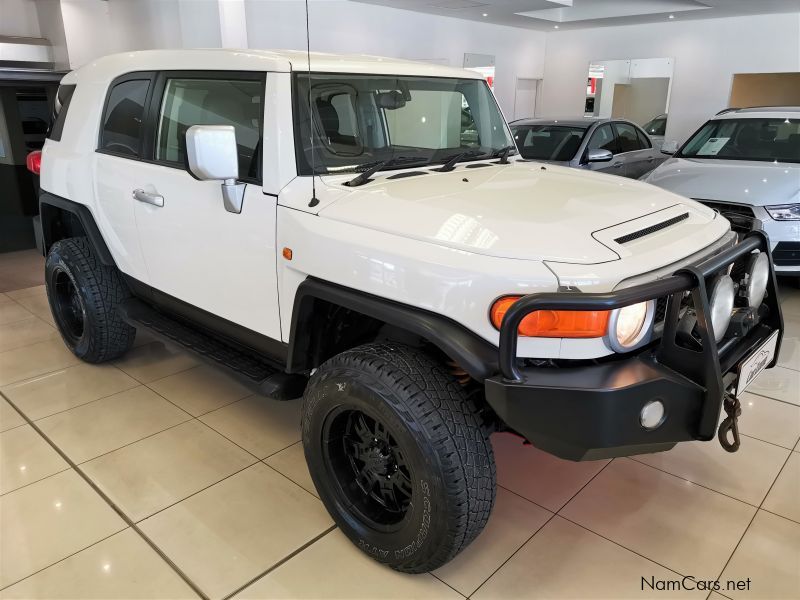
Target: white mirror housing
[211,152]
[669,147]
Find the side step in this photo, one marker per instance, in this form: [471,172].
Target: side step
[247,367]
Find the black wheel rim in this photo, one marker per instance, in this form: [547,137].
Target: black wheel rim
[369,467]
[68,308]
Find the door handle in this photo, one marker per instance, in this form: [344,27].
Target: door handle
[617,165]
[148,198]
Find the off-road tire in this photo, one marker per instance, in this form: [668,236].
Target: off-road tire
[440,433]
[99,292]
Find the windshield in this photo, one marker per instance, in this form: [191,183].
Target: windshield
[776,139]
[362,119]
[657,126]
[548,142]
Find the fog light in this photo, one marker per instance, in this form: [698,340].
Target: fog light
[721,305]
[652,415]
[757,277]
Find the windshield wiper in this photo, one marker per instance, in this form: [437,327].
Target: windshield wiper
[367,170]
[450,161]
[503,154]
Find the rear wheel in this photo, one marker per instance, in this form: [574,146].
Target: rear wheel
[397,451]
[84,295]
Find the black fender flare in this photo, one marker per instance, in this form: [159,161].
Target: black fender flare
[473,353]
[84,217]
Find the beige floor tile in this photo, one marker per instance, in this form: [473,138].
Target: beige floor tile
[200,390]
[121,567]
[790,345]
[566,561]
[514,520]
[49,520]
[144,337]
[26,332]
[260,425]
[4,299]
[292,463]
[165,468]
[154,361]
[67,388]
[38,305]
[36,359]
[769,420]
[104,425]
[784,497]
[9,418]
[672,521]
[26,457]
[11,312]
[769,555]
[537,475]
[29,291]
[334,568]
[229,533]
[779,383]
[745,475]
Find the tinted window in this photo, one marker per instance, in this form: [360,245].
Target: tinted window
[548,142]
[775,139]
[63,98]
[644,142]
[122,122]
[190,102]
[603,139]
[628,141]
[657,126]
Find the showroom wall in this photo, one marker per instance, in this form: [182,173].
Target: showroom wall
[707,53]
[18,18]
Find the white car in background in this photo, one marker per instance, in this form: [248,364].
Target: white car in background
[745,163]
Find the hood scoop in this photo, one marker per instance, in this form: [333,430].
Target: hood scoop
[635,235]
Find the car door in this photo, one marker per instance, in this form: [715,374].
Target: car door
[197,252]
[604,138]
[634,150]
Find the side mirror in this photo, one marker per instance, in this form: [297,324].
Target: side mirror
[669,147]
[212,154]
[599,155]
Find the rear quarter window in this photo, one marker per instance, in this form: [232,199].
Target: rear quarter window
[121,128]
[60,108]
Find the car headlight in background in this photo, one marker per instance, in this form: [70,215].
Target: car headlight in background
[723,293]
[628,326]
[784,212]
[757,278]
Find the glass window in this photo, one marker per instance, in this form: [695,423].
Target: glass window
[122,124]
[773,139]
[190,102]
[657,126]
[344,121]
[628,140]
[548,142]
[644,141]
[603,139]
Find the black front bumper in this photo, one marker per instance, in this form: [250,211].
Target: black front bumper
[593,412]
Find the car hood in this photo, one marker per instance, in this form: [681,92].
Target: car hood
[522,210]
[745,182]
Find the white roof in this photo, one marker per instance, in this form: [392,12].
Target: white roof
[762,112]
[109,67]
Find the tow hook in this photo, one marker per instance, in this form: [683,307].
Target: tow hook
[733,409]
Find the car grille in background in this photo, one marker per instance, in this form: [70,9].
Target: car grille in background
[787,254]
[741,216]
[652,229]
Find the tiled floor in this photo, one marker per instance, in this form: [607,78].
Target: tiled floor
[157,477]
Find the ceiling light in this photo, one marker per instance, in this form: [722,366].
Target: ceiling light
[672,16]
[555,26]
[485,14]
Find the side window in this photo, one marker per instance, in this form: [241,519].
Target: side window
[603,139]
[190,102]
[628,139]
[122,121]
[63,98]
[644,142]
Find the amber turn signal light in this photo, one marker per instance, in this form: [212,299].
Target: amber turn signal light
[287,253]
[554,323]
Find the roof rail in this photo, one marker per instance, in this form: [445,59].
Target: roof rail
[727,110]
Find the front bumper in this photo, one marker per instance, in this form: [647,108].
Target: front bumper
[593,412]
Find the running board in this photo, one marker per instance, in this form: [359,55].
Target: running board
[247,367]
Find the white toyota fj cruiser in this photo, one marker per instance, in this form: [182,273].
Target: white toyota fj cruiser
[360,231]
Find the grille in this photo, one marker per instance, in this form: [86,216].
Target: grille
[652,229]
[742,217]
[787,254]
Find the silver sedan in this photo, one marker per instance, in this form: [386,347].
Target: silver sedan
[614,146]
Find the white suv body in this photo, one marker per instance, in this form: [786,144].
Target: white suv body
[360,232]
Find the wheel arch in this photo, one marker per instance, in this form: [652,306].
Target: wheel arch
[313,325]
[62,218]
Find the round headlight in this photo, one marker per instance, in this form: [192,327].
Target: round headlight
[629,325]
[721,305]
[757,277]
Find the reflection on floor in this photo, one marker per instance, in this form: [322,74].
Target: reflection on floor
[158,477]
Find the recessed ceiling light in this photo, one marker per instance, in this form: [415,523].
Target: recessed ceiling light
[485,14]
[672,16]
[555,26]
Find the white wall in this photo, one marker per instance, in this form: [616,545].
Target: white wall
[18,18]
[707,53]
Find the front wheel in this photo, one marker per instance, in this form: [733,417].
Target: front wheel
[398,454]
